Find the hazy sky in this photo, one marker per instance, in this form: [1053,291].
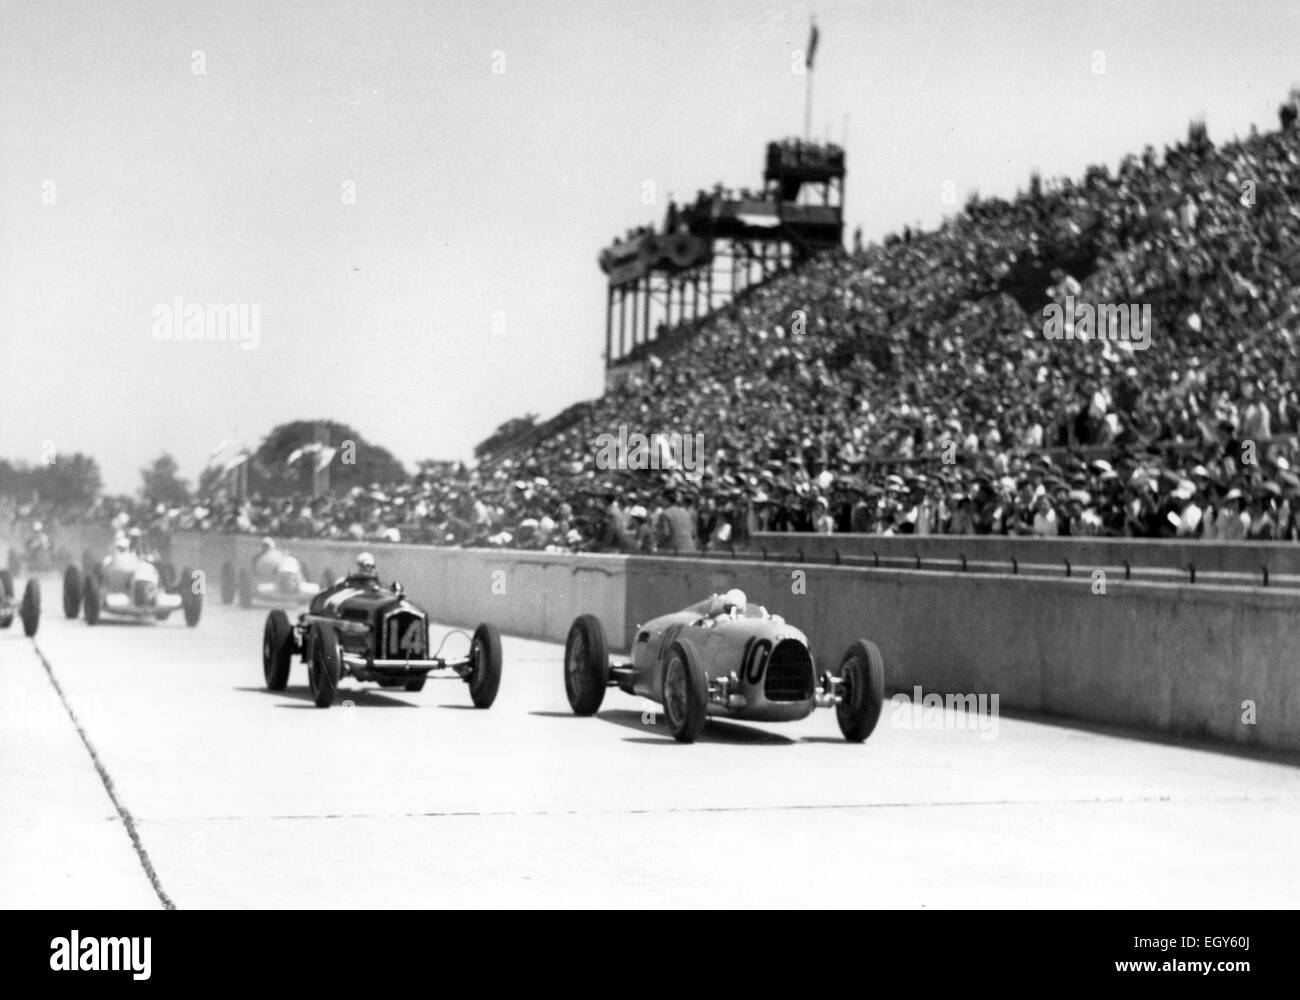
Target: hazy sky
[128,179]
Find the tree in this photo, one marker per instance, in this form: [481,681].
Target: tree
[161,484]
[509,433]
[356,462]
[71,482]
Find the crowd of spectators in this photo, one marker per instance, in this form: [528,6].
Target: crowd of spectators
[907,387]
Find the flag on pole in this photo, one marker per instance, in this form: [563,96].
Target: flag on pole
[812,46]
[307,449]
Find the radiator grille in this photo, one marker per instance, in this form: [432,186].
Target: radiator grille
[789,673]
[404,636]
[143,593]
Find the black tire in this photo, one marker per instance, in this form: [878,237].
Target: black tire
[72,592]
[30,612]
[686,693]
[6,585]
[90,600]
[586,665]
[245,589]
[416,684]
[89,564]
[485,665]
[324,667]
[191,603]
[862,690]
[167,577]
[277,650]
[227,583]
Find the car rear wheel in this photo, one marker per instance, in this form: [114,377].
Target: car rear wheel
[191,602]
[245,589]
[325,666]
[277,650]
[586,665]
[90,600]
[485,665]
[71,592]
[30,612]
[686,693]
[862,690]
[227,583]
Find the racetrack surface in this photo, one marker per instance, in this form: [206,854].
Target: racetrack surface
[244,798]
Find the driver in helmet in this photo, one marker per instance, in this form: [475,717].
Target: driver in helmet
[364,572]
[730,605]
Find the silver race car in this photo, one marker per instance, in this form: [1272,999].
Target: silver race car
[725,657]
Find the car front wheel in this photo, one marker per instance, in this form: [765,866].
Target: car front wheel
[30,612]
[862,690]
[586,665]
[325,667]
[277,650]
[686,693]
[485,665]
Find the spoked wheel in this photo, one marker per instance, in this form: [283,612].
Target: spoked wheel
[30,612]
[71,592]
[90,600]
[191,597]
[586,665]
[277,650]
[686,693]
[324,667]
[485,665]
[862,690]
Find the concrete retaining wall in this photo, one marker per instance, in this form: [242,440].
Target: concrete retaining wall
[1282,558]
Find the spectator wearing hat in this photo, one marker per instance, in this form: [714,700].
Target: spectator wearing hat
[639,537]
[823,523]
[1231,523]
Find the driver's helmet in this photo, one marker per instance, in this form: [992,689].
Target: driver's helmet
[365,565]
[734,602]
[120,544]
[268,544]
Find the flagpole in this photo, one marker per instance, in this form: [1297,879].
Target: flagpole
[807,105]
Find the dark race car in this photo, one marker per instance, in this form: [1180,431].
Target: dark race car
[363,630]
[725,657]
[30,608]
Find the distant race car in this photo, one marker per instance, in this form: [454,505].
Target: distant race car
[370,632]
[129,585]
[725,657]
[275,578]
[30,608]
